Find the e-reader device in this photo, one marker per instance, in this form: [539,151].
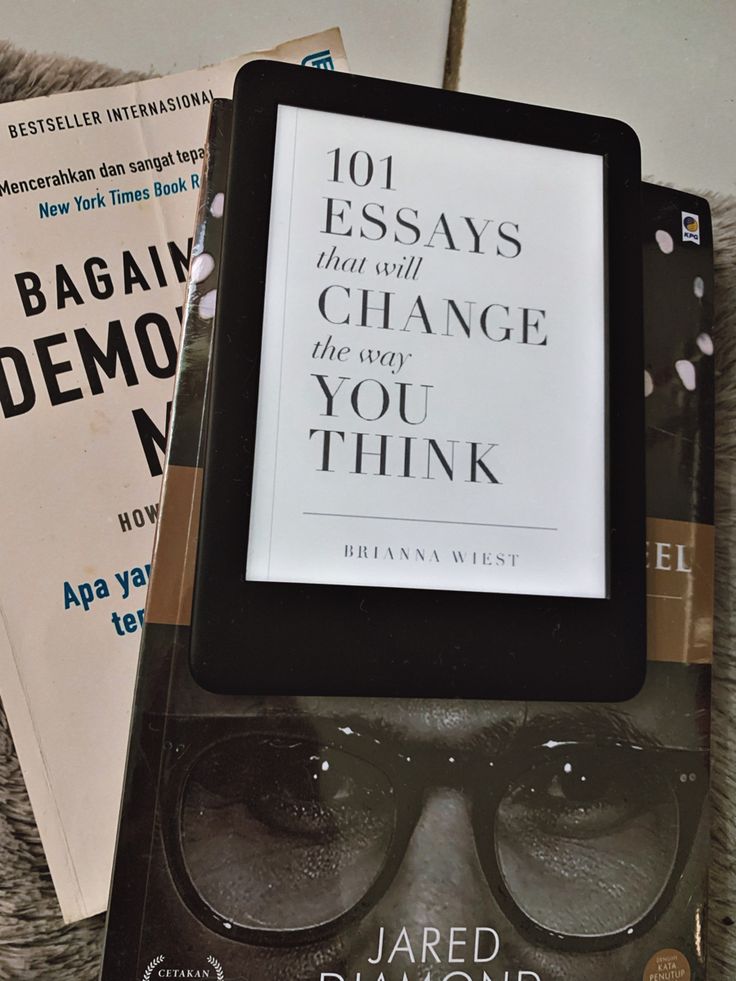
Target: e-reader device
[424,468]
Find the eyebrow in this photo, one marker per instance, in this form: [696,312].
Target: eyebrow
[582,723]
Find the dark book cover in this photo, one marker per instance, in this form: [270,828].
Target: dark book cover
[328,839]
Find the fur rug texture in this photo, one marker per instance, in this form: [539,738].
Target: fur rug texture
[35,945]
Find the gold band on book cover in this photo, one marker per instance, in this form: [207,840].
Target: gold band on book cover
[679,574]
[680,557]
[172,582]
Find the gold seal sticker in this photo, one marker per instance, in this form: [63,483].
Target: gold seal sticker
[667,965]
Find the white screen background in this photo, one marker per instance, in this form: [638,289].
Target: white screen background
[541,528]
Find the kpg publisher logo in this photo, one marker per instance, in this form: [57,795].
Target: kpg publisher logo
[157,968]
[320,59]
[690,228]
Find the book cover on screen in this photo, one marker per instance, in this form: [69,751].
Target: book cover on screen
[98,191]
[329,839]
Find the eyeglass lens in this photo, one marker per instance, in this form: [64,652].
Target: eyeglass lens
[600,832]
[279,833]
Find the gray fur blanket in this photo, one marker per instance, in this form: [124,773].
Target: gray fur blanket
[34,943]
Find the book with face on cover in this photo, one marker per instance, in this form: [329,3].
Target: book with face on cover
[98,191]
[378,839]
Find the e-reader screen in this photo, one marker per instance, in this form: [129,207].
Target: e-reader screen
[432,393]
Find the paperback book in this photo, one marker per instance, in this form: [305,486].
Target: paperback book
[378,839]
[98,190]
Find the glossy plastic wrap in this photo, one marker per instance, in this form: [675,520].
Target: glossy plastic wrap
[329,839]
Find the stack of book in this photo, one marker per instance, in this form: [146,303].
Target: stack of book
[309,837]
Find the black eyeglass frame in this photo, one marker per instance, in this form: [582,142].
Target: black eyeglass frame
[685,770]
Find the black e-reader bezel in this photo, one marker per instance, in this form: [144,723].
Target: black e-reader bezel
[276,638]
